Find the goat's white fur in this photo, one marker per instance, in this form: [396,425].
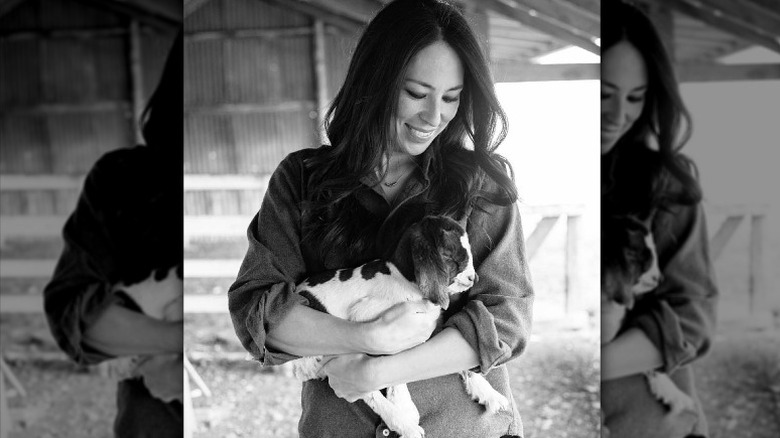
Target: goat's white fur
[357,299]
[660,384]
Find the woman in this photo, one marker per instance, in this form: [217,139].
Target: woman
[125,240]
[412,131]
[643,126]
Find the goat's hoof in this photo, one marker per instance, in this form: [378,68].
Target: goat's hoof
[411,431]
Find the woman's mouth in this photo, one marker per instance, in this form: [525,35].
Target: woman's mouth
[419,134]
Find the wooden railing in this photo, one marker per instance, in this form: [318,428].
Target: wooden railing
[236,226]
[753,216]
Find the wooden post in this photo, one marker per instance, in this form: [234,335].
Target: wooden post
[572,237]
[136,78]
[756,258]
[320,76]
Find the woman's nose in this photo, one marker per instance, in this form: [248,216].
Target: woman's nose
[431,114]
[615,111]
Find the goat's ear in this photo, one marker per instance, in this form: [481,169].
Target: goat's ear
[427,263]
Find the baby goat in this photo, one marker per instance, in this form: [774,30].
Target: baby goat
[436,253]
[629,267]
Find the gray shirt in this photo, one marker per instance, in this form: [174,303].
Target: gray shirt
[494,316]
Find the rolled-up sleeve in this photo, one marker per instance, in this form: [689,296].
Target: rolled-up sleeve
[679,316]
[79,290]
[264,291]
[496,319]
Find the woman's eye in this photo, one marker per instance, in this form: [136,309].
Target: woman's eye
[451,99]
[636,99]
[415,95]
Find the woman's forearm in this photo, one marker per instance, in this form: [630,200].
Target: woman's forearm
[445,353]
[119,331]
[630,353]
[308,332]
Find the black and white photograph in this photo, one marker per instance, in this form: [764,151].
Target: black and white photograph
[690,93]
[391,218]
[92,328]
[441,152]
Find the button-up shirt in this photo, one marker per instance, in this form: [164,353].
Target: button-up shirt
[494,316]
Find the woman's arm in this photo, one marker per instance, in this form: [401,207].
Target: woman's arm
[678,318]
[118,331]
[308,332]
[631,352]
[354,375]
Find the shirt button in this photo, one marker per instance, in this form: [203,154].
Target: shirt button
[385,432]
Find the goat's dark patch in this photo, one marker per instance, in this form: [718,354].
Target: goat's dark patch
[322,277]
[370,269]
[314,303]
[345,274]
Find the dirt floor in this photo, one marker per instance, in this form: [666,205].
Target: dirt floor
[555,384]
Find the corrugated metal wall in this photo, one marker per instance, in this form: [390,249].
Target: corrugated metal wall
[76,105]
[250,94]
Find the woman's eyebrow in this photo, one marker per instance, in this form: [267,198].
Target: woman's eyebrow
[427,85]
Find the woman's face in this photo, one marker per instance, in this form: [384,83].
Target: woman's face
[623,88]
[429,98]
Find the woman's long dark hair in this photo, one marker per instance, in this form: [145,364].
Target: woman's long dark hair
[361,131]
[635,177]
[162,119]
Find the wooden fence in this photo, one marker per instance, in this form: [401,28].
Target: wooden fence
[235,226]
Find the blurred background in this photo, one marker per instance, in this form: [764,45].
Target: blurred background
[258,75]
[74,78]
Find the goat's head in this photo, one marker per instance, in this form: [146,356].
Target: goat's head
[629,263]
[441,257]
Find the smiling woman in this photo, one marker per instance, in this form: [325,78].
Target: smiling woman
[412,133]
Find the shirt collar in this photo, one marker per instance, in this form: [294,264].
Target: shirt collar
[425,159]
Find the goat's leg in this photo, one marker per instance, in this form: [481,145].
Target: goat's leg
[398,420]
[483,393]
[666,391]
[399,396]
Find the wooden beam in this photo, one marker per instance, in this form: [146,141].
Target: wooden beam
[749,15]
[347,24]
[530,18]
[767,6]
[567,17]
[7,6]
[267,33]
[357,10]
[725,73]
[65,108]
[191,6]
[84,34]
[722,22]
[525,72]
[154,17]
[592,7]
[320,76]
[246,108]
[136,74]
[539,234]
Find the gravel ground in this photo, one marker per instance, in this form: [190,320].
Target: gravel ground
[555,383]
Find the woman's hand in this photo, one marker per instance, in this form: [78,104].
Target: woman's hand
[352,376]
[401,327]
